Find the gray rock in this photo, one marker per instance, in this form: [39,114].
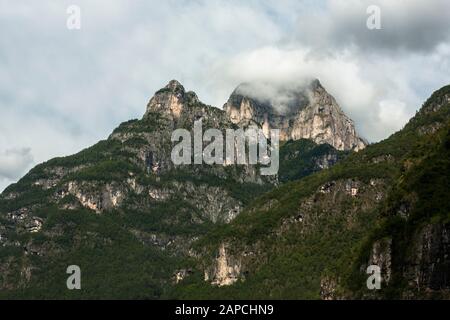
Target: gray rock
[305,111]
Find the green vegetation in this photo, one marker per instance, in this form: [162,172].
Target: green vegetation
[423,189]
[294,236]
[114,264]
[292,264]
[302,157]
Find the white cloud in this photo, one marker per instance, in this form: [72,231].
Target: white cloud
[360,84]
[392,114]
[14,162]
[63,90]
[411,25]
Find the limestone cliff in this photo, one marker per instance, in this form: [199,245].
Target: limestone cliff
[304,111]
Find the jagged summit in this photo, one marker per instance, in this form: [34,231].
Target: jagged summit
[303,110]
[174,85]
[171,100]
[315,84]
[300,110]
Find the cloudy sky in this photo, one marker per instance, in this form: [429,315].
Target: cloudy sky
[62,90]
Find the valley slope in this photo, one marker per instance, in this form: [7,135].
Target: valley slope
[140,227]
[313,238]
[123,212]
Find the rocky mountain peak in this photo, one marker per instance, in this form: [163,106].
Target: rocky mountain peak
[299,110]
[175,86]
[316,85]
[169,100]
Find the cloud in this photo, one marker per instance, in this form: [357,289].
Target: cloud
[14,162]
[62,90]
[360,86]
[285,97]
[412,25]
[393,114]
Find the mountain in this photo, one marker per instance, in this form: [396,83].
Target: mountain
[141,227]
[123,199]
[300,111]
[314,238]
[300,158]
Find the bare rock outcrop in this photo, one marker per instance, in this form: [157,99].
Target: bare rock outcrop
[226,270]
[305,111]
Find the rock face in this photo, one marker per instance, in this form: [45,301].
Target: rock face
[427,266]
[327,288]
[170,100]
[382,257]
[424,266]
[226,271]
[307,111]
